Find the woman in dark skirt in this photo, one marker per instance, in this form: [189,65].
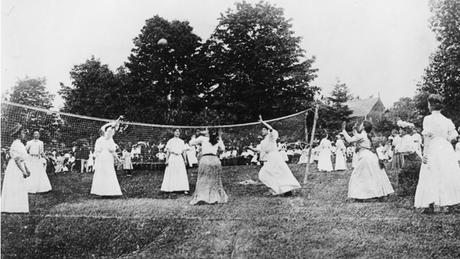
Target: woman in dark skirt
[411,161]
[209,187]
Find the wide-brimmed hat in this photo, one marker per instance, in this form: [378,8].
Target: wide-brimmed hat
[105,126]
[404,124]
[15,129]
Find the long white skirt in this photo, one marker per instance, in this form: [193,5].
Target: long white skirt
[354,159]
[105,181]
[368,180]
[128,164]
[15,198]
[175,178]
[303,159]
[324,161]
[340,163]
[38,180]
[439,180]
[277,175]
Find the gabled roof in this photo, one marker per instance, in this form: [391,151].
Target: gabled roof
[362,107]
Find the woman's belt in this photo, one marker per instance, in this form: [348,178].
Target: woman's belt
[406,153]
[209,154]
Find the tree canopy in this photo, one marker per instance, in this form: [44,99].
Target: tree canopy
[95,90]
[252,64]
[165,81]
[32,92]
[257,65]
[442,75]
[341,93]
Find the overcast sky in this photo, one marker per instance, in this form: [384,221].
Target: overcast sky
[374,46]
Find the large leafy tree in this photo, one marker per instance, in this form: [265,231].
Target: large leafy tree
[405,109]
[95,90]
[32,92]
[443,73]
[255,65]
[165,80]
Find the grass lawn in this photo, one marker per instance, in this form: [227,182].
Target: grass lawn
[317,222]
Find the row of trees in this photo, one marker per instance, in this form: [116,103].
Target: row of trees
[252,64]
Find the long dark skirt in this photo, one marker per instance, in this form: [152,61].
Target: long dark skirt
[408,175]
[209,187]
[397,162]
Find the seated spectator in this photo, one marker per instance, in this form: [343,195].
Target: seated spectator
[71,162]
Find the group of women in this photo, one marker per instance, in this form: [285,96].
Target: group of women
[25,172]
[438,184]
[324,150]
[439,176]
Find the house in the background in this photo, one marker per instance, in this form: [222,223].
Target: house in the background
[371,109]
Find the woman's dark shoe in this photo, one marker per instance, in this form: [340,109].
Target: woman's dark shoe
[428,210]
[287,194]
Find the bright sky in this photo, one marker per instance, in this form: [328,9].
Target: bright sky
[374,46]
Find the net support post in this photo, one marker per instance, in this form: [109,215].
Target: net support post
[315,119]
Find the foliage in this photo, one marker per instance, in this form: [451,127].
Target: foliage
[251,65]
[341,93]
[95,91]
[330,119]
[442,75]
[406,109]
[32,92]
[256,66]
[384,127]
[166,83]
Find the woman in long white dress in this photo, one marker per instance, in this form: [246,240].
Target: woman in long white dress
[38,181]
[15,198]
[127,161]
[175,178]
[275,173]
[105,181]
[439,180]
[209,186]
[368,179]
[324,160]
[303,157]
[340,162]
[90,163]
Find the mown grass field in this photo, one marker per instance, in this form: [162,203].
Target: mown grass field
[317,222]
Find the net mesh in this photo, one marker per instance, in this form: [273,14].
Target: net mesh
[63,132]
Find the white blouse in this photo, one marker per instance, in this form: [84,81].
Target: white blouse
[175,146]
[206,146]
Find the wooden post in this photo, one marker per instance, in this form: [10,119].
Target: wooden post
[311,143]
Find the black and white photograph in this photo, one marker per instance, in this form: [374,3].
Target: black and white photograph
[230,129]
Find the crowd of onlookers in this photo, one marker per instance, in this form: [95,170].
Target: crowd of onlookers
[145,155]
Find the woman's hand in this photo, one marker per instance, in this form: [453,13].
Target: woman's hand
[344,125]
[260,118]
[428,135]
[425,159]
[26,172]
